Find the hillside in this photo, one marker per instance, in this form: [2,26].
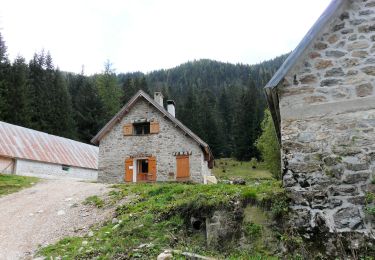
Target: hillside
[222,103]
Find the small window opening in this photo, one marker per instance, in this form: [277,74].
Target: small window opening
[142,128]
[65,168]
[143,166]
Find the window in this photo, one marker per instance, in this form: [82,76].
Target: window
[65,168]
[141,128]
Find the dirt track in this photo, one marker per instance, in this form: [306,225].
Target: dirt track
[44,213]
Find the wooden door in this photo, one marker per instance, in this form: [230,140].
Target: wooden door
[151,169]
[129,170]
[183,168]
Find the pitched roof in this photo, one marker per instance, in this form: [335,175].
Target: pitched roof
[331,11]
[125,109]
[25,143]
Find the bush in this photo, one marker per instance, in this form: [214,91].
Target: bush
[268,146]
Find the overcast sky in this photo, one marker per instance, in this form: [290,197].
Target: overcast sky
[146,35]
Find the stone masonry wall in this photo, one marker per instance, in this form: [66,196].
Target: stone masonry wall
[327,108]
[114,148]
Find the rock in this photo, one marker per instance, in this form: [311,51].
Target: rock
[84,242]
[322,64]
[239,181]
[353,164]
[338,27]
[364,90]
[358,45]
[68,199]
[370,61]
[344,190]
[90,234]
[330,82]
[306,137]
[40,211]
[357,200]
[60,212]
[334,72]
[352,37]
[336,54]
[373,38]
[348,63]
[114,221]
[352,178]
[357,21]
[369,70]
[332,160]
[333,38]
[334,203]
[220,228]
[166,255]
[360,54]
[346,31]
[320,46]
[344,15]
[314,55]
[288,180]
[300,218]
[366,12]
[348,218]
[306,79]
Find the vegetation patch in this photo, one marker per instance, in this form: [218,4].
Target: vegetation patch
[95,201]
[250,171]
[159,218]
[13,183]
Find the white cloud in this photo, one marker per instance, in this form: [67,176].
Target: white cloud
[147,34]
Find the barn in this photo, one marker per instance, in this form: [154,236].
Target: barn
[28,152]
[144,142]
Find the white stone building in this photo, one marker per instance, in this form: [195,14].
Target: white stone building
[28,152]
[322,100]
[144,142]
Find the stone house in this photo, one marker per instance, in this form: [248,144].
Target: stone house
[144,142]
[322,100]
[28,152]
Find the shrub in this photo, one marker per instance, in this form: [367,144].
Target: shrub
[268,146]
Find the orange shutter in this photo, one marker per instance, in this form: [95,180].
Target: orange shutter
[152,168]
[128,129]
[183,167]
[154,127]
[128,170]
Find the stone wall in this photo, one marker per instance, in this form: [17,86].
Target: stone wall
[50,170]
[114,147]
[327,108]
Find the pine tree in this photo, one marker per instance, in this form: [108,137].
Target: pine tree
[109,91]
[18,96]
[4,78]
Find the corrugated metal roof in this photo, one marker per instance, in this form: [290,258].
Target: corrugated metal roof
[24,143]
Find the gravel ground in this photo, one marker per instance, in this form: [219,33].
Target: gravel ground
[45,213]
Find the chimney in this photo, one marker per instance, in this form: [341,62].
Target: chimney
[158,97]
[171,108]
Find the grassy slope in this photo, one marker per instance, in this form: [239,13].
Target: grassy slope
[228,169]
[158,218]
[13,183]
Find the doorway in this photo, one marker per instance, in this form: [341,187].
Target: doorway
[183,167]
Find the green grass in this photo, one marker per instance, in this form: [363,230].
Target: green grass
[229,169]
[94,200]
[13,183]
[158,218]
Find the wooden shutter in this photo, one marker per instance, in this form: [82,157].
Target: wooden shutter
[129,170]
[154,127]
[152,168]
[128,129]
[183,167]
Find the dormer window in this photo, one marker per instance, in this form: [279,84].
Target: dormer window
[141,128]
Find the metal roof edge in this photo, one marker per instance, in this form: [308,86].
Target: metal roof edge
[292,59]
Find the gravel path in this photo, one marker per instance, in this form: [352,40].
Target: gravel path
[45,213]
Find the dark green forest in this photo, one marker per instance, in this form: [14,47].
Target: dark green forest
[222,103]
